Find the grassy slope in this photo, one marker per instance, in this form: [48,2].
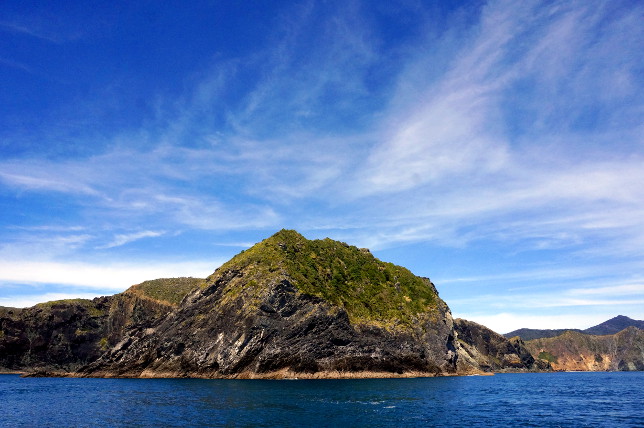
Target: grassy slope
[370,290]
[166,290]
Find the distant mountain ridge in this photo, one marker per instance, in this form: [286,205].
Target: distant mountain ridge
[612,326]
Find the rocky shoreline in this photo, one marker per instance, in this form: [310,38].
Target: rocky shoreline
[285,308]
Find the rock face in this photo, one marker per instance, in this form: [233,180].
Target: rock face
[287,307]
[65,335]
[489,351]
[294,307]
[56,335]
[623,351]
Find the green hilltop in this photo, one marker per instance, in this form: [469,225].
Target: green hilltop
[169,291]
[351,278]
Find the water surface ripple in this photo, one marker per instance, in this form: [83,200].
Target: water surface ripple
[517,400]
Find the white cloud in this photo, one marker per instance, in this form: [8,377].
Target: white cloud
[123,239]
[42,243]
[26,301]
[42,180]
[108,276]
[485,141]
[32,31]
[613,290]
[530,302]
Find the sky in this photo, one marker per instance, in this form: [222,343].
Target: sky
[496,147]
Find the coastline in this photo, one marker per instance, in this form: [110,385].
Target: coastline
[284,374]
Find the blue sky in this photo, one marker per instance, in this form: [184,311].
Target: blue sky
[496,147]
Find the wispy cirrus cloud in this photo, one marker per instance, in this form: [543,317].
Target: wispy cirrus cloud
[41,180]
[25,301]
[444,155]
[481,148]
[123,239]
[106,277]
[125,183]
[512,124]
[614,290]
[31,31]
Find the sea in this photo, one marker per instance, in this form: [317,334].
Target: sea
[503,400]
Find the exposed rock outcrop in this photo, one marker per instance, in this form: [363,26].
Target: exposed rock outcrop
[67,334]
[623,351]
[488,351]
[287,307]
[294,307]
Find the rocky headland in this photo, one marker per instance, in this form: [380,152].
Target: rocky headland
[287,307]
[65,335]
[491,352]
[614,345]
[293,307]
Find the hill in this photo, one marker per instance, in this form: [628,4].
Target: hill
[623,351]
[531,333]
[614,325]
[490,351]
[611,326]
[289,306]
[64,335]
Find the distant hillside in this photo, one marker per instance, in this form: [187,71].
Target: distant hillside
[612,326]
[531,333]
[489,351]
[623,351]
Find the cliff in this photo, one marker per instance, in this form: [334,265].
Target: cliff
[488,351]
[287,307]
[65,335]
[623,351]
[293,307]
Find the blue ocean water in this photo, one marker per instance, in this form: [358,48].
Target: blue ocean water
[516,400]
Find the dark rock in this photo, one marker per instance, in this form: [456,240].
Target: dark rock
[68,334]
[490,351]
[276,307]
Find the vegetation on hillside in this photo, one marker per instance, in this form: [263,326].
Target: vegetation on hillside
[89,305]
[370,290]
[167,290]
